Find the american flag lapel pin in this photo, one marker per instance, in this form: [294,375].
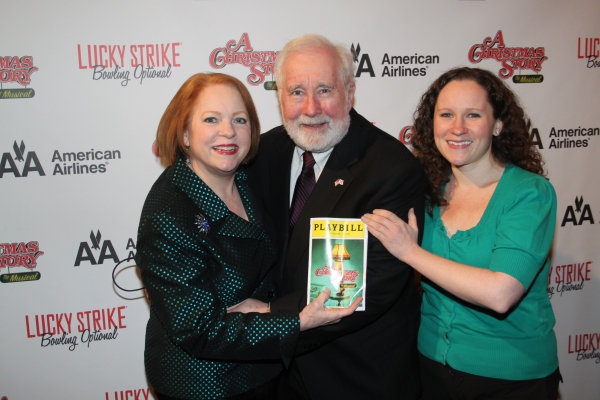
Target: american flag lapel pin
[339,182]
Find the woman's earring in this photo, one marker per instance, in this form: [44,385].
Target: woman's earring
[498,128]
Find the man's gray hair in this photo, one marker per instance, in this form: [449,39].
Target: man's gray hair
[313,42]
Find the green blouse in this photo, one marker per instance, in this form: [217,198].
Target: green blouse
[513,236]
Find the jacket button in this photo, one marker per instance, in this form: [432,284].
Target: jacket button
[271,294]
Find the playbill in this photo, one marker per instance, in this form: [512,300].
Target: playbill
[338,260]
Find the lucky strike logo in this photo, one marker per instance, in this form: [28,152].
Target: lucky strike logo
[18,70]
[260,63]
[136,394]
[71,329]
[123,62]
[585,345]
[511,58]
[104,249]
[393,65]
[568,277]
[65,163]
[14,255]
[578,214]
[589,48]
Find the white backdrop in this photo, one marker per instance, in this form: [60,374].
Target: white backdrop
[77,161]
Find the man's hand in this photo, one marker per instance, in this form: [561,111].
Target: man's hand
[316,314]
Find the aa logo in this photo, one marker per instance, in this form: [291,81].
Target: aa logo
[365,62]
[579,214]
[106,248]
[31,163]
[535,138]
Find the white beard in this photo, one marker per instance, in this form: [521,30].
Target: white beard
[317,142]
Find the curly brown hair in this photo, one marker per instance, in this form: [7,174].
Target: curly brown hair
[513,145]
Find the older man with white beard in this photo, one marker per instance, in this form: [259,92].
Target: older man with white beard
[357,168]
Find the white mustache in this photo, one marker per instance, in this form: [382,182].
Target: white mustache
[319,119]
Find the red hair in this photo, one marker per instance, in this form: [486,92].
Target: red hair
[175,120]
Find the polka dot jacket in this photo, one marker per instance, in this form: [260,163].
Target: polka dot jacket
[197,258]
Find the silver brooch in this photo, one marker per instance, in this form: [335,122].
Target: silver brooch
[202,223]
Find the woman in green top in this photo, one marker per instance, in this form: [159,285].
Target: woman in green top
[486,320]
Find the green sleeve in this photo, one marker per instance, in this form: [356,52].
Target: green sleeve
[525,230]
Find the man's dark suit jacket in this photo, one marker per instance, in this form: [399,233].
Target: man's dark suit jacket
[370,354]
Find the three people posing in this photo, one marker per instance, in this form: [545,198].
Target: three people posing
[206,246]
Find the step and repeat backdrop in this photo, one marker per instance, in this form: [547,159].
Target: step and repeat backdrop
[84,84]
